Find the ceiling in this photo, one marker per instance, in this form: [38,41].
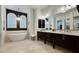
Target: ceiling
[37,6]
[34,6]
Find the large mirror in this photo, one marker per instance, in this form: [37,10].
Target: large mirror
[68,20]
[48,24]
[76,23]
[58,23]
[67,24]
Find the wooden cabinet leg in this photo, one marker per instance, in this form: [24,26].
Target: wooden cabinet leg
[44,41]
[53,43]
[37,38]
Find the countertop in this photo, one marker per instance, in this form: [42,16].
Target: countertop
[75,33]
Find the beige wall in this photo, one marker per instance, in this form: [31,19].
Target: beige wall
[0,26]
[0,20]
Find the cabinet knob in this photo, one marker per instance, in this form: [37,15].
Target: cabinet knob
[63,38]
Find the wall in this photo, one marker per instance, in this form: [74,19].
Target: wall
[0,26]
[33,21]
[0,20]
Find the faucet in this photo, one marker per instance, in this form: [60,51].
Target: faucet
[67,28]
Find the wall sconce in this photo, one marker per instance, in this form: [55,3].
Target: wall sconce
[17,18]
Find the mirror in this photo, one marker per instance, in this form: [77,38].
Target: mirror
[67,24]
[76,23]
[67,21]
[48,22]
[58,23]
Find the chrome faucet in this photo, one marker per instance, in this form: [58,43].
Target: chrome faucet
[67,28]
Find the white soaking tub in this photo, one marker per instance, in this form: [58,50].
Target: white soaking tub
[16,35]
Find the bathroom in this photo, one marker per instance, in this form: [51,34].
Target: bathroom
[25,24]
[49,12]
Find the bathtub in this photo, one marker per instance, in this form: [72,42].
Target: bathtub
[16,35]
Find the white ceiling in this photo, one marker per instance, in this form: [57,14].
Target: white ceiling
[34,6]
[44,6]
[37,6]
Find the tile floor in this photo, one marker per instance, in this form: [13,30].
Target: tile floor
[30,46]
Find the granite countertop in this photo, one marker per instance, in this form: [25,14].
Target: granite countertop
[75,33]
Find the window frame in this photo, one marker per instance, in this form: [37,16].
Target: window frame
[18,22]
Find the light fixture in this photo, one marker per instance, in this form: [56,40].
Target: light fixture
[18,16]
[67,7]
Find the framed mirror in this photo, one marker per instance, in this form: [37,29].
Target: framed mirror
[67,24]
[76,23]
[58,23]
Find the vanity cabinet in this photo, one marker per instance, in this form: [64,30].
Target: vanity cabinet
[70,42]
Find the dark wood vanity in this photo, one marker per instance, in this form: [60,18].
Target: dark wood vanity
[70,42]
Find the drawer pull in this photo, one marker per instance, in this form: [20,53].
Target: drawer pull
[63,39]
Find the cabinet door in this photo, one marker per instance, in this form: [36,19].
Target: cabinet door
[49,37]
[59,40]
[76,43]
[72,43]
[69,44]
[39,35]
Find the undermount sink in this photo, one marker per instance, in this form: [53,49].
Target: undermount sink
[47,30]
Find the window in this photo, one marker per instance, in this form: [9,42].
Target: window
[12,23]
[11,20]
[23,22]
